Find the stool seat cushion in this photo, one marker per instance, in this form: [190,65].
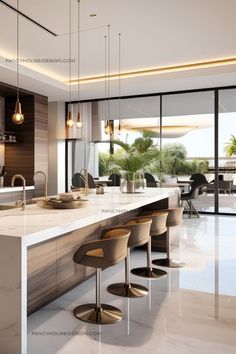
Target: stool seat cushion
[115,233]
[95,253]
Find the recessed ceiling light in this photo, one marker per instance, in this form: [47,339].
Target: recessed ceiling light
[93,15]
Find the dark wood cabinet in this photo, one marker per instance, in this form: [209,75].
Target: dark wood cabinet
[30,153]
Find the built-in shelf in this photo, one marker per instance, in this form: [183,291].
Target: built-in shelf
[7,137]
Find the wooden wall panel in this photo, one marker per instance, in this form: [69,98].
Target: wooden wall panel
[19,157]
[30,153]
[42,279]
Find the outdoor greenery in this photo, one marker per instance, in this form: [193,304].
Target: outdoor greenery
[143,155]
[134,158]
[174,161]
[230,147]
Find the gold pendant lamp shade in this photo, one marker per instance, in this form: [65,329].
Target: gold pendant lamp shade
[69,120]
[107,128]
[18,116]
[79,124]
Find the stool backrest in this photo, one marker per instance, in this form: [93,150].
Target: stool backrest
[112,249]
[174,217]
[140,231]
[116,250]
[159,219]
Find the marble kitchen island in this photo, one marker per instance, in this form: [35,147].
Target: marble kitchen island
[36,248]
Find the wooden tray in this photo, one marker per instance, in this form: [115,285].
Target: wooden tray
[54,203]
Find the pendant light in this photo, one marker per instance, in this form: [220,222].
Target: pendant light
[108,129]
[79,124]
[119,127]
[106,125]
[69,119]
[18,116]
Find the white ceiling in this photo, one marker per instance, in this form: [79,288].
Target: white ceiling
[154,33]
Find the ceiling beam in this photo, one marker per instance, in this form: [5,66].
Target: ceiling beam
[28,18]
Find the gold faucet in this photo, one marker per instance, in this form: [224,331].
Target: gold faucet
[45,181]
[85,179]
[17,176]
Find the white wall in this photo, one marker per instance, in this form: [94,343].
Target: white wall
[56,135]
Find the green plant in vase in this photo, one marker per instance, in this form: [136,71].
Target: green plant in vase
[134,160]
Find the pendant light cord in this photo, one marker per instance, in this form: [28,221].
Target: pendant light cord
[78,54]
[108,71]
[17,52]
[70,53]
[119,80]
[105,43]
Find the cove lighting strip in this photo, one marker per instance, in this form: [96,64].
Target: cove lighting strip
[156,71]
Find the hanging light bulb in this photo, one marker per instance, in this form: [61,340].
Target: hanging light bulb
[107,127]
[69,118]
[18,116]
[79,123]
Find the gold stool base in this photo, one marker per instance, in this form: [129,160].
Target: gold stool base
[151,273]
[169,263]
[127,290]
[105,315]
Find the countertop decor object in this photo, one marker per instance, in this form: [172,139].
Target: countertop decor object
[54,203]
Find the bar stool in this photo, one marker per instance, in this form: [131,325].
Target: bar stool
[139,235]
[158,227]
[101,254]
[174,218]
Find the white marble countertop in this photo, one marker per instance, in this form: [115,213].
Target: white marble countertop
[14,189]
[35,224]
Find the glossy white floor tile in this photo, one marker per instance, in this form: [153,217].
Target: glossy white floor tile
[190,311]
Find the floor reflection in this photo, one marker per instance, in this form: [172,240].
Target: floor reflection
[192,310]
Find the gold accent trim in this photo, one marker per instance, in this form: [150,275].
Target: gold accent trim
[156,71]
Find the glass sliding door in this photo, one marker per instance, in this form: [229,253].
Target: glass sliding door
[195,132]
[188,143]
[227,151]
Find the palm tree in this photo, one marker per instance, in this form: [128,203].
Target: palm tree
[230,147]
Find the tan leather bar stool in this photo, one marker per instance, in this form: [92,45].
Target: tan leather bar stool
[139,235]
[158,227]
[175,216]
[101,254]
